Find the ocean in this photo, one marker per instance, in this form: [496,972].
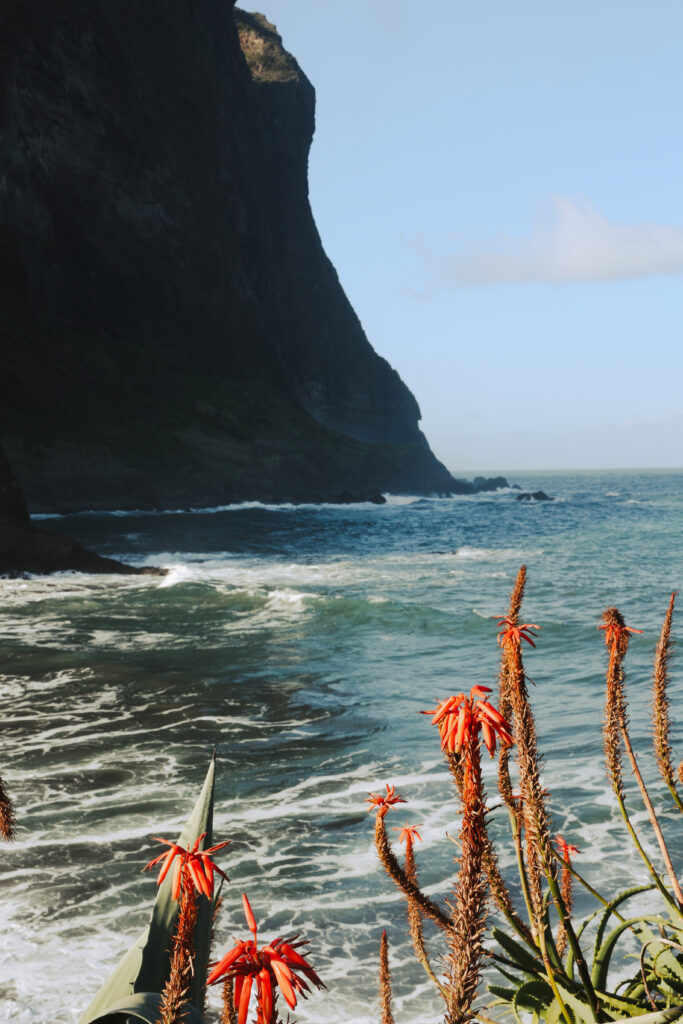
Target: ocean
[301,643]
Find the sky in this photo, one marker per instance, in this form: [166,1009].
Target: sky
[500,188]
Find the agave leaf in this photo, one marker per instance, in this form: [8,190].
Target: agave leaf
[145,1006]
[146,966]
[516,952]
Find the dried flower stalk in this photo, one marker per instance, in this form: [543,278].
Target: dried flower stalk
[385,981]
[414,914]
[533,810]
[504,703]
[182,957]
[500,892]
[8,821]
[399,876]
[229,1013]
[616,718]
[660,704]
[470,902]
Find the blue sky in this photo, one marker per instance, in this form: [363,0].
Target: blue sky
[500,187]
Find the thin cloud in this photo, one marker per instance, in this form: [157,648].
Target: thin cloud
[575,243]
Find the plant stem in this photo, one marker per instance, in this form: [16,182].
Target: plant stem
[517,840]
[648,863]
[574,943]
[653,817]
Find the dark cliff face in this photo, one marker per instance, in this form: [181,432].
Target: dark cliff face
[171,330]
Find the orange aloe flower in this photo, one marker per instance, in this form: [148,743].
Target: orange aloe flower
[198,863]
[514,634]
[384,803]
[613,630]
[565,849]
[409,833]
[460,717]
[277,965]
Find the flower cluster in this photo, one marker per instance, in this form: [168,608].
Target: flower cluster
[460,718]
[198,864]
[275,965]
[565,849]
[512,634]
[383,802]
[408,834]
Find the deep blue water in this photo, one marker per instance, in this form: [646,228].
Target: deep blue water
[301,643]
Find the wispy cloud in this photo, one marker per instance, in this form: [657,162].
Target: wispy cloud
[574,242]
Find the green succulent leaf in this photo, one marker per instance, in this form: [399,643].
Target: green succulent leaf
[504,993]
[603,956]
[517,953]
[554,1014]
[146,966]
[534,995]
[617,1006]
[616,902]
[145,1006]
[672,1013]
[580,1011]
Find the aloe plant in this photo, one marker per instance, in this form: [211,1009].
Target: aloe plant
[548,973]
[133,991]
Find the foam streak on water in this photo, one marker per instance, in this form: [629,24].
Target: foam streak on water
[301,642]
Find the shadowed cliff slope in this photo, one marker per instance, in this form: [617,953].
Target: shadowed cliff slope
[171,330]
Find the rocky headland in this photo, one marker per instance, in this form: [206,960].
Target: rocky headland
[171,330]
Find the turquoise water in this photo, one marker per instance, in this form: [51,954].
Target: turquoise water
[301,643]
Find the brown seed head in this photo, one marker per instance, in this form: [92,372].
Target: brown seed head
[660,700]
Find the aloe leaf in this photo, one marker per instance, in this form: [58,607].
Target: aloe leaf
[146,966]
[617,901]
[516,952]
[618,1005]
[534,995]
[554,1014]
[580,1011]
[504,993]
[659,1017]
[665,965]
[603,956]
[146,1006]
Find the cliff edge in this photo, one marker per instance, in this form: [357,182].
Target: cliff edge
[171,330]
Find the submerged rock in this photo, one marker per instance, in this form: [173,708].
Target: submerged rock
[533,496]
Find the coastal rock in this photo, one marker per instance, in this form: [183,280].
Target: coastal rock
[25,549]
[171,330]
[533,496]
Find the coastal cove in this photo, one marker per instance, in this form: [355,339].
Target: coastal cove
[301,642]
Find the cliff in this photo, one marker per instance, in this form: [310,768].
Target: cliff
[171,330]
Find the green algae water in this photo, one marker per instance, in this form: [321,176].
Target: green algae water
[301,643]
